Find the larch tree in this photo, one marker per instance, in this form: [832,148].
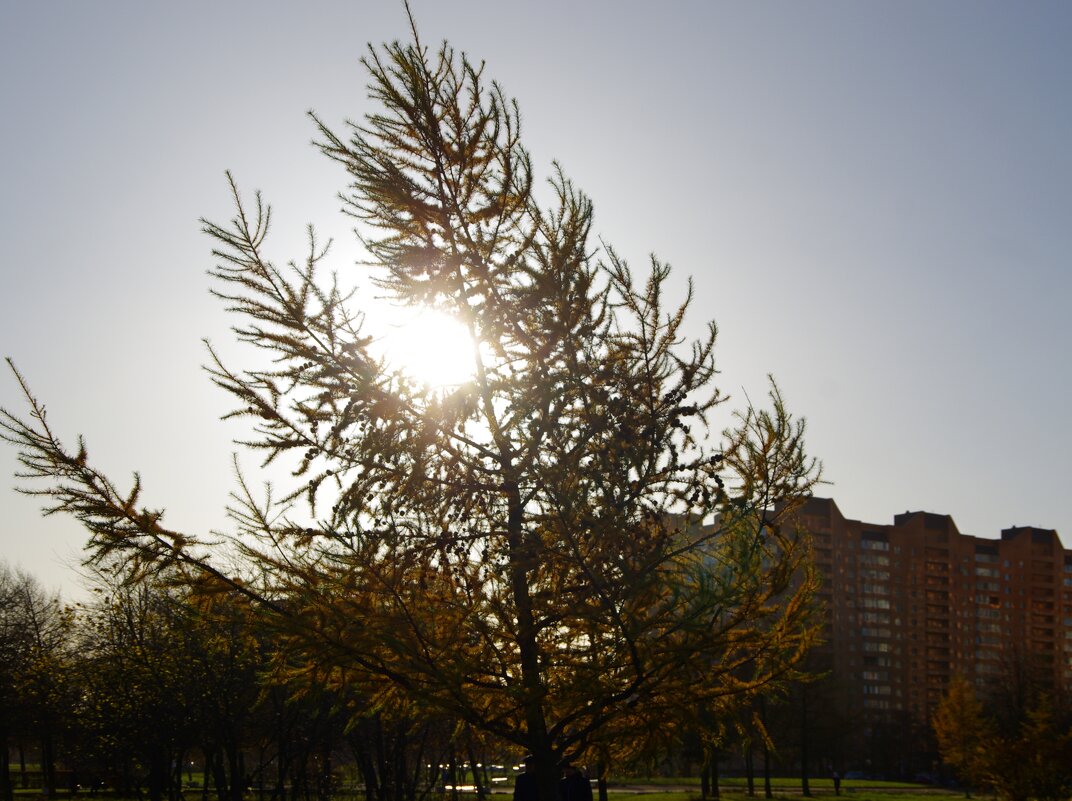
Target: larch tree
[555,552]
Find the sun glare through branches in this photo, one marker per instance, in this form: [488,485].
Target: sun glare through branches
[431,347]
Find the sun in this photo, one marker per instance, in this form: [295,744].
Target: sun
[431,347]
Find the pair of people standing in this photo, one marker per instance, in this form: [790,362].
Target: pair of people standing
[573,786]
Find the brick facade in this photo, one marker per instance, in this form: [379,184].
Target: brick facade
[911,604]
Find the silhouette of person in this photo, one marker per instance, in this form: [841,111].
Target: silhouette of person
[574,785]
[525,788]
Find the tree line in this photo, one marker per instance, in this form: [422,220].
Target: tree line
[131,690]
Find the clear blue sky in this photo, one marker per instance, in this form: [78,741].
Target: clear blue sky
[874,200]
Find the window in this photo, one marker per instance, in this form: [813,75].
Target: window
[874,545]
[874,632]
[874,540]
[874,617]
[875,575]
[874,559]
[876,647]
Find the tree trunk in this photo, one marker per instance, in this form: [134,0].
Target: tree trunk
[48,763]
[805,788]
[481,790]
[238,775]
[410,779]
[452,775]
[324,780]
[219,775]
[767,793]
[766,748]
[230,773]
[298,786]
[749,771]
[359,746]
[157,773]
[281,765]
[206,771]
[520,560]
[175,784]
[7,792]
[23,775]
[262,771]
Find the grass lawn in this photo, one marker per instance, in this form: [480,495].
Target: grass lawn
[660,788]
[788,790]
[734,789]
[728,793]
[817,782]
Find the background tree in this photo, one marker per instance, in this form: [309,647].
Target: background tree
[1019,754]
[225,653]
[36,691]
[140,686]
[962,731]
[1045,752]
[525,553]
[14,657]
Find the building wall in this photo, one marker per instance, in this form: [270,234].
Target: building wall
[911,604]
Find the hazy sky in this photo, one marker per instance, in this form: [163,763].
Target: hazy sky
[874,201]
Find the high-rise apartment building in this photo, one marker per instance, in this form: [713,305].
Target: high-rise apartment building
[911,604]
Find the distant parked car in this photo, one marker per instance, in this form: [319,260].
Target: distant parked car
[854,774]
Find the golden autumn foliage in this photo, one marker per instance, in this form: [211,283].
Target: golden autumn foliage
[1027,756]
